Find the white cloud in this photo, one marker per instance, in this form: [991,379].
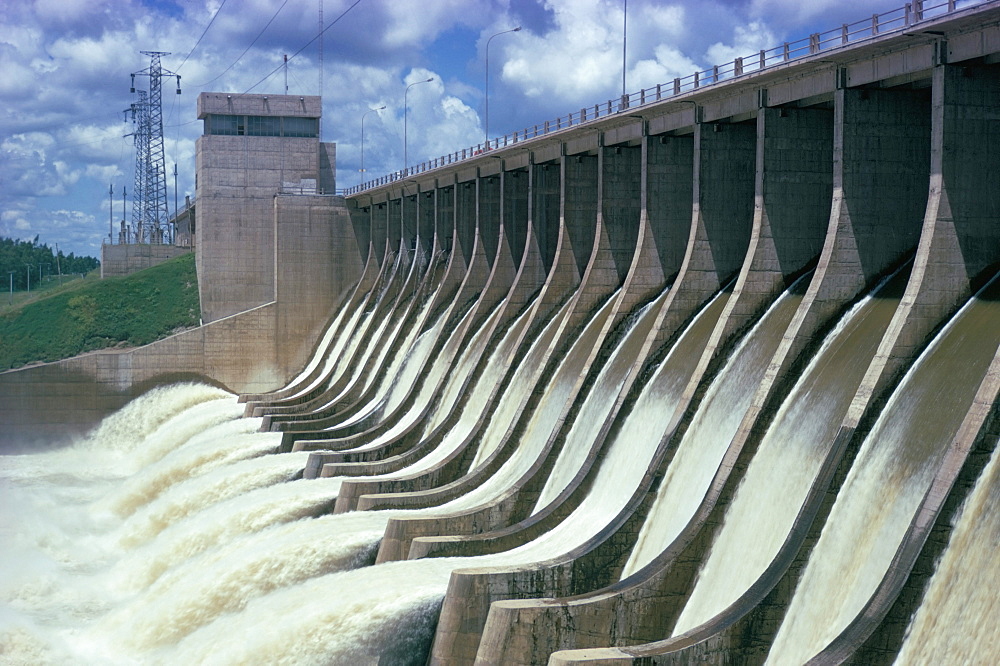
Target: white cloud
[794,12]
[65,65]
[579,61]
[746,42]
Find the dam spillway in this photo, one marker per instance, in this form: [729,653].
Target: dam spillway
[642,390]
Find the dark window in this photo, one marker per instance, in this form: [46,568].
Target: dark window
[306,127]
[261,126]
[219,124]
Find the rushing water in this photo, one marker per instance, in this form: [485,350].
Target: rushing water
[202,530]
[599,401]
[179,515]
[887,482]
[632,446]
[785,466]
[957,621]
[712,429]
[176,534]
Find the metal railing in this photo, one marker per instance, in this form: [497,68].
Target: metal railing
[878,25]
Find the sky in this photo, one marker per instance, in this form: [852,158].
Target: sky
[65,70]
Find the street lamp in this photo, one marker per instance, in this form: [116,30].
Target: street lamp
[486,121]
[406,161]
[362,169]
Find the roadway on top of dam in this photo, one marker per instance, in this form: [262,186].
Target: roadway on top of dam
[899,51]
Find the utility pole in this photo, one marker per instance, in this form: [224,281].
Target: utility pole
[155,216]
[124,194]
[173,235]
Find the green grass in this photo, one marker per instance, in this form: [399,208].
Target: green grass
[81,315]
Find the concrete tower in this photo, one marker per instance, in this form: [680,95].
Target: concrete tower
[253,148]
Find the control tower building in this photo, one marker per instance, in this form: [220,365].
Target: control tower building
[253,148]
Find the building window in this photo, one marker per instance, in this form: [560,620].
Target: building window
[263,126]
[225,125]
[304,127]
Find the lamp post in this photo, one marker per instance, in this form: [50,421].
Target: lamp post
[624,44]
[27,268]
[406,161]
[486,120]
[362,169]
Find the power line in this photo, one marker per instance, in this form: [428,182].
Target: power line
[201,85]
[304,46]
[203,32]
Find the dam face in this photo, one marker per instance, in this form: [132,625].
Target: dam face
[710,377]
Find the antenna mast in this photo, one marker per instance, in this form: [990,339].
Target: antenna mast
[153,215]
[320,48]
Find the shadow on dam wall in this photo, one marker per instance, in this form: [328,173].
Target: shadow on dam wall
[709,385]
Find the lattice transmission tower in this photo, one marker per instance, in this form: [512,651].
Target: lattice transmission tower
[150,217]
[136,231]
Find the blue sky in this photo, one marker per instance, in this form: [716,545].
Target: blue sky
[65,78]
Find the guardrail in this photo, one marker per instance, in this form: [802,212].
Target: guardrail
[895,20]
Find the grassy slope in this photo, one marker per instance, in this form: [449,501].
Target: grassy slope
[94,314]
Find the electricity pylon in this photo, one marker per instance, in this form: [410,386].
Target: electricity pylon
[152,223]
[140,138]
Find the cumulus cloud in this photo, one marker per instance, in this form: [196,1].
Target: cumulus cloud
[66,63]
[746,41]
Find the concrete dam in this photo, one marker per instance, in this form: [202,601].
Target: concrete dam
[708,374]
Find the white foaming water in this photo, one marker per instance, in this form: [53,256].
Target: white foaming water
[250,511]
[705,443]
[194,446]
[511,402]
[785,466]
[957,621]
[207,485]
[887,482]
[384,614]
[333,359]
[209,557]
[387,612]
[434,377]
[543,420]
[468,360]
[139,418]
[222,580]
[632,447]
[114,441]
[479,395]
[327,352]
[599,402]
[404,370]
[60,546]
